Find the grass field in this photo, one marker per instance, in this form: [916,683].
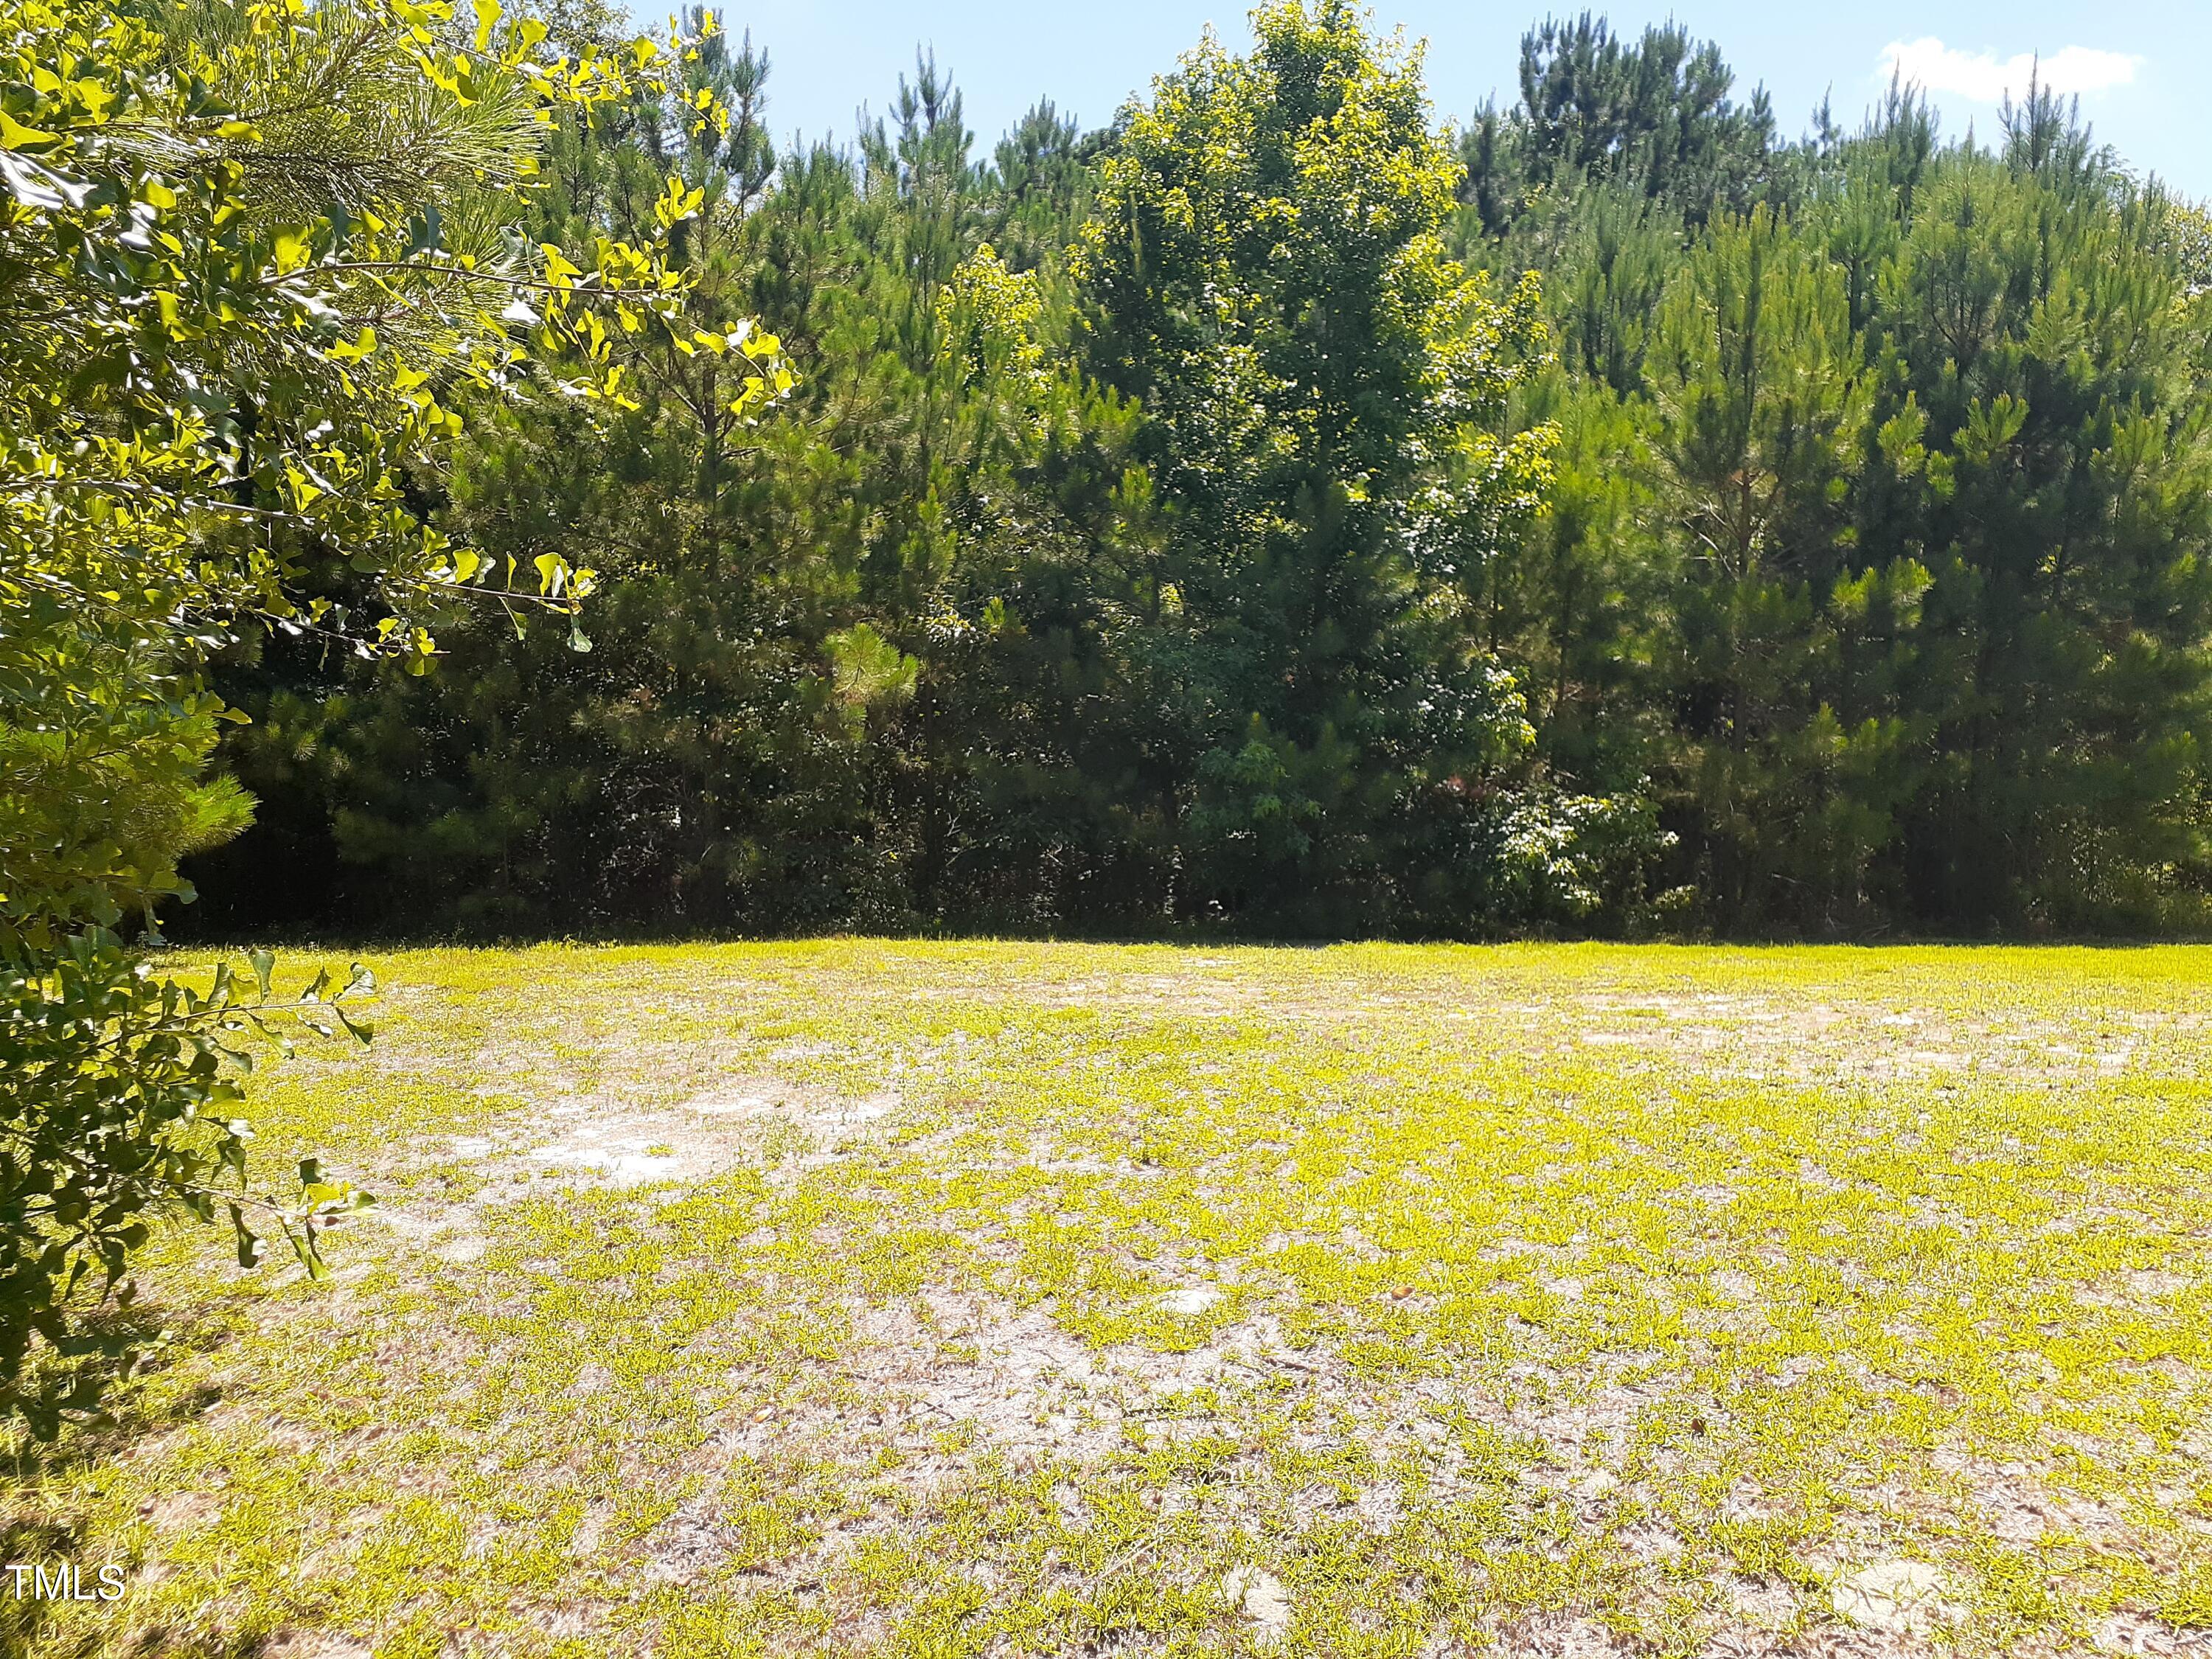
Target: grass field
[863,1298]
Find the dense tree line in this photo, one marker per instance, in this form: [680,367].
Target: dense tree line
[1876,558]
[1212,520]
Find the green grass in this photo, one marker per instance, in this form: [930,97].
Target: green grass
[1015,1299]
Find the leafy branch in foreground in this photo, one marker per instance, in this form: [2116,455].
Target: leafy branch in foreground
[115,1094]
[254,257]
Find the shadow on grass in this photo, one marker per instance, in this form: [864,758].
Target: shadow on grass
[40,1522]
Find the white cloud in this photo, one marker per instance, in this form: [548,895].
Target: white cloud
[1986,78]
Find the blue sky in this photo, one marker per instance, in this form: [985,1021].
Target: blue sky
[2140,65]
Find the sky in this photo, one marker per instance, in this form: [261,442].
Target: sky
[2139,65]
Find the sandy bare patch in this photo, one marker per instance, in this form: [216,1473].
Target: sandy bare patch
[1897,1596]
[610,1142]
[308,1645]
[2134,1633]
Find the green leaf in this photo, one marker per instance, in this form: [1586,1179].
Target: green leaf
[15,135]
[250,1246]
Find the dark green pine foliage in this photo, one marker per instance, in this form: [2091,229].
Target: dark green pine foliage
[1040,185]
[1653,115]
[845,668]
[2039,339]
[702,756]
[1877,554]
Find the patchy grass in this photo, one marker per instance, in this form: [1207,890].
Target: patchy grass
[865,1298]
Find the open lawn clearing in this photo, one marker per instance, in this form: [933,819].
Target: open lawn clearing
[865,1297]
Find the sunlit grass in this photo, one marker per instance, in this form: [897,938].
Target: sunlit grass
[1005,1299]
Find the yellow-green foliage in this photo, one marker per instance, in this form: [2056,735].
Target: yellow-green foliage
[1726,1275]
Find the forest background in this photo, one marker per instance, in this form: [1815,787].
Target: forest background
[1191,524]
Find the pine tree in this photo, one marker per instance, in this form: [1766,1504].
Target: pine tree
[1653,117]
